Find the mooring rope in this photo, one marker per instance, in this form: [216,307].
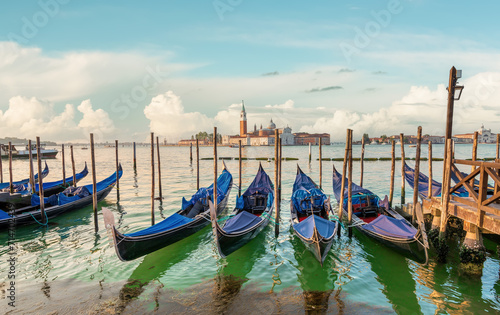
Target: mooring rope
[42,224]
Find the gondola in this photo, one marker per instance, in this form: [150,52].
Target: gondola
[193,216]
[45,172]
[310,209]
[22,192]
[251,215]
[423,184]
[376,219]
[72,198]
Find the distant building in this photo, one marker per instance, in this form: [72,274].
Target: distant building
[304,138]
[484,136]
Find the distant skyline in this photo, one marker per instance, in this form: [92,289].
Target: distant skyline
[124,69]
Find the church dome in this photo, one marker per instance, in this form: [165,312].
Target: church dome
[271,125]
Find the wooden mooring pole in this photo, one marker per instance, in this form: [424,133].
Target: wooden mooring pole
[320,165]
[215,168]
[160,194]
[1,169]
[344,173]
[197,165]
[190,151]
[309,152]
[401,139]
[474,155]
[73,165]
[349,187]
[40,181]
[152,178]
[361,160]
[279,169]
[445,191]
[417,174]
[393,169]
[63,165]
[11,187]
[135,161]
[276,199]
[32,175]
[429,193]
[497,152]
[239,168]
[117,175]
[94,181]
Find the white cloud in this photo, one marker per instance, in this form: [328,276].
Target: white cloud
[168,119]
[31,117]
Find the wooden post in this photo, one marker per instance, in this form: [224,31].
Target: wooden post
[417,174]
[135,162]
[362,159]
[11,188]
[445,191]
[190,151]
[349,187]
[214,139]
[474,151]
[117,175]
[73,165]
[320,165]
[497,153]
[152,178]
[32,175]
[239,168]
[63,165]
[429,195]
[197,165]
[309,152]
[94,182]
[159,166]
[40,181]
[276,199]
[1,167]
[449,120]
[344,173]
[393,169]
[401,139]
[279,168]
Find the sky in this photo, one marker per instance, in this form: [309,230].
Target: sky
[124,69]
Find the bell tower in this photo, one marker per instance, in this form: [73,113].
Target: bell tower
[243,120]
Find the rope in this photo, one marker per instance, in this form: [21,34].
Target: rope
[46,218]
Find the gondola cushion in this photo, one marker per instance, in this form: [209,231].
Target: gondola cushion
[241,222]
[391,227]
[306,228]
[173,221]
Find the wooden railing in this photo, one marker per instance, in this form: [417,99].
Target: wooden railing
[482,195]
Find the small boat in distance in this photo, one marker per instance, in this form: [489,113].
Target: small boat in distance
[45,153]
[85,148]
[250,216]
[310,209]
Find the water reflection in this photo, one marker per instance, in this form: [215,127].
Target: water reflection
[233,272]
[154,265]
[394,274]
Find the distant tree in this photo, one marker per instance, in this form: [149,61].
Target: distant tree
[406,140]
[384,137]
[192,137]
[366,137]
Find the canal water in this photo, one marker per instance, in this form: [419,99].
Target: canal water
[68,268]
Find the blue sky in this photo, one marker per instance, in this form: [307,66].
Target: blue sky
[375,66]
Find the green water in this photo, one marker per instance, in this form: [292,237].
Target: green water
[66,267]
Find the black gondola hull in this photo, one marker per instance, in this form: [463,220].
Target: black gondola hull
[229,243]
[129,248]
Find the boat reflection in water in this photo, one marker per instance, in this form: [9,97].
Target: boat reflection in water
[156,264]
[316,281]
[232,274]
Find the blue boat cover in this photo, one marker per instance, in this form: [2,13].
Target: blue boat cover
[62,198]
[337,186]
[306,228]
[173,221]
[78,176]
[4,215]
[45,172]
[302,199]
[423,184]
[261,185]
[223,182]
[391,227]
[241,222]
